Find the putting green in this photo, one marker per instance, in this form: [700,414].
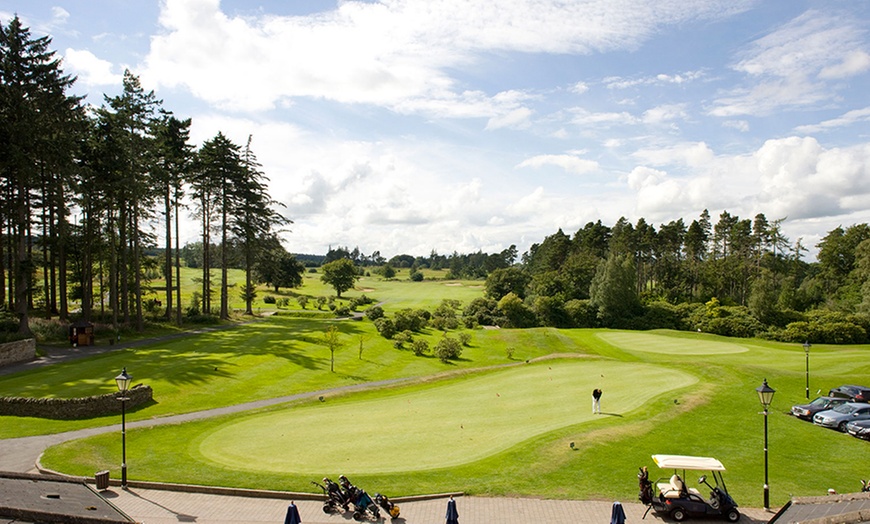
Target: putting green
[663,344]
[439,425]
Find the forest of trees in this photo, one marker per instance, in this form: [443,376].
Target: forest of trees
[85,191]
[735,277]
[83,186]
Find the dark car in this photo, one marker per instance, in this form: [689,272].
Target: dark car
[853,393]
[806,411]
[859,428]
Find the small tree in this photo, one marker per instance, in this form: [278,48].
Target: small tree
[302,300]
[340,274]
[331,340]
[420,347]
[447,348]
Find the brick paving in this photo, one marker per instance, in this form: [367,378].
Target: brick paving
[151,506]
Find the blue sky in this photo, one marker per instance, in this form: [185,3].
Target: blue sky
[407,126]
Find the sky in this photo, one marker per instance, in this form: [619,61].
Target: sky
[412,126]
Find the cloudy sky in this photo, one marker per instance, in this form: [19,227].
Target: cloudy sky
[407,126]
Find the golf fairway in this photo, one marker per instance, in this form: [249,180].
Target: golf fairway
[438,425]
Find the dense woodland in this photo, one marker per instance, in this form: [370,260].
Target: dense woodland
[84,186]
[87,191]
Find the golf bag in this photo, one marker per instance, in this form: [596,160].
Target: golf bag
[362,502]
[335,499]
[386,505]
[645,493]
[865,485]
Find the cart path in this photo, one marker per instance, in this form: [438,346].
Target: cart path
[167,507]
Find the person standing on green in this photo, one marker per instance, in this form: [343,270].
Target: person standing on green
[596,401]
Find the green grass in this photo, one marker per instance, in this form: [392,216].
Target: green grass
[682,393]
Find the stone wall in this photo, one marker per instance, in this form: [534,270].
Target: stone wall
[18,351]
[74,408]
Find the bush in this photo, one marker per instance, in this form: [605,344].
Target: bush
[374,313]
[447,349]
[464,339]
[269,299]
[386,328]
[416,276]
[342,311]
[481,312]
[731,321]
[420,347]
[400,339]
[411,320]
[582,313]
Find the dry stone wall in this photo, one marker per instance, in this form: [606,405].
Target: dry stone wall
[74,408]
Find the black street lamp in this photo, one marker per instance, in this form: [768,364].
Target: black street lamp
[765,396]
[123,380]
[807,352]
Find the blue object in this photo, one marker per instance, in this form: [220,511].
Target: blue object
[292,515]
[617,514]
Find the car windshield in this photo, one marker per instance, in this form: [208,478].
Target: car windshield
[821,401]
[845,408]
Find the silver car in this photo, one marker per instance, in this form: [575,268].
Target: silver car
[841,415]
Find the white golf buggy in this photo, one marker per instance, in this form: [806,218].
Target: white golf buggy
[671,496]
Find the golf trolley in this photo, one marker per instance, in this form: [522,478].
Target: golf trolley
[335,499]
[672,497]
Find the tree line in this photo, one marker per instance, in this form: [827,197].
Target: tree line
[84,189]
[733,277]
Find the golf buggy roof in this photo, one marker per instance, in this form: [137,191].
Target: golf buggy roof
[687,462]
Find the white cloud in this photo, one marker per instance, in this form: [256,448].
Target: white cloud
[847,119]
[570,163]
[579,88]
[91,71]
[696,154]
[615,82]
[740,125]
[389,53]
[583,117]
[788,67]
[664,114]
[854,63]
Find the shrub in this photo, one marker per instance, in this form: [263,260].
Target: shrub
[302,300]
[374,313]
[400,339]
[269,299]
[581,313]
[481,312]
[386,328]
[509,352]
[342,311]
[464,339]
[447,349]
[420,347]
[416,276]
[410,320]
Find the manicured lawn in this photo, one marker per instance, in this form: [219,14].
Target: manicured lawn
[682,393]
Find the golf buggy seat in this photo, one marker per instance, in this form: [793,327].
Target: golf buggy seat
[676,488]
[673,489]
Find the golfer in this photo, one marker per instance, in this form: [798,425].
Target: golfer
[596,400]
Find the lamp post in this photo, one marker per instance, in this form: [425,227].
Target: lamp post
[807,352]
[123,380]
[765,396]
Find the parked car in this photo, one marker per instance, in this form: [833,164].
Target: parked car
[859,428]
[807,411]
[853,393]
[841,415]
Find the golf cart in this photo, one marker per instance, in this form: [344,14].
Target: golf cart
[671,496]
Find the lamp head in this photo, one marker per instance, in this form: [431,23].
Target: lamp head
[765,394]
[123,380]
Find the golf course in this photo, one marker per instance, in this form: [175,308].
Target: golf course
[510,417]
